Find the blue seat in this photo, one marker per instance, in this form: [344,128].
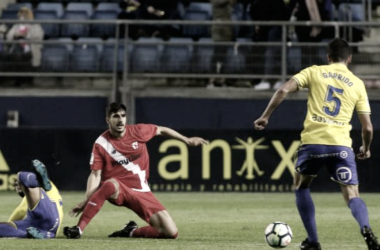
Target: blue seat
[351,12]
[108,6]
[96,41]
[9,14]
[55,58]
[47,6]
[68,42]
[108,56]
[72,29]
[103,30]
[81,6]
[50,30]
[196,31]
[146,56]
[198,6]
[177,55]
[202,60]
[238,11]
[235,63]
[85,58]
[17,6]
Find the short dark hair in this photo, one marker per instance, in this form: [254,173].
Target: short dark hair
[339,50]
[114,107]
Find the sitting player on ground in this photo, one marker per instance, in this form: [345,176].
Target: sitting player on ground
[40,213]
[119,174]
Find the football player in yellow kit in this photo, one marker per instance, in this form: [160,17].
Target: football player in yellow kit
[334,94]
[40,213]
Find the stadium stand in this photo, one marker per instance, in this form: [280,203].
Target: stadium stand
[103,30]
[88,7]
[55,58]
[50,30]
[177,54]
[196,31]
[108,55]
[203,50]
[146,56]
[47,6]
[86,54]
[75,29]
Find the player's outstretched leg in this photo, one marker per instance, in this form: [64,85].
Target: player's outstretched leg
[126,231]
[34,233]
[42,174]
[370,239]
[72,232]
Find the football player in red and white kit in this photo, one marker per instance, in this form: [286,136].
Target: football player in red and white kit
[119,173]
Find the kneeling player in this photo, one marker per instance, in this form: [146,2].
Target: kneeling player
[40,212]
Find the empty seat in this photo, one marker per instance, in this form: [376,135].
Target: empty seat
[177,55]
[146,56]
[55,58]
[203,52]
[85,58]
[47,6]
[348,12]
[96,41]
[108,56]
[196,31]
[100,29]
[82,6]
[9,15]
[235,62]
[108,6]
[75,29]
[17,6]
[50,29]
[198,6]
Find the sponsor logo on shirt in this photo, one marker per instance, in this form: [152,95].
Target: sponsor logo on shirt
[135,145]
[121,162]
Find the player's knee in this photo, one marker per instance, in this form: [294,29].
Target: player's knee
[111,188]
[172,235]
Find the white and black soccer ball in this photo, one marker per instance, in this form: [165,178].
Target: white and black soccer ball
[278,234]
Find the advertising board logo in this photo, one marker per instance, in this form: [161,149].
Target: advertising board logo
[3,164]
[249,169]
[6,179]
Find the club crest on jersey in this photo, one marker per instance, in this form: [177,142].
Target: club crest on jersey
[135,145]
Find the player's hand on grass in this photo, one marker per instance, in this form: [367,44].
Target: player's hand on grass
[363,154]
[78,209]
[196,141]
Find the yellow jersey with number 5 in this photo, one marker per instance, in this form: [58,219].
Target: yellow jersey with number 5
[334,94]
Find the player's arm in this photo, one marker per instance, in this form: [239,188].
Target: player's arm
[171,133]
[276,100]
[93,183]
[367,134]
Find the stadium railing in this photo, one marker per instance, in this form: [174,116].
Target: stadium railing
[245,58]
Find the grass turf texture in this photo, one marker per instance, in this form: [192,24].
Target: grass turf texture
[209,221]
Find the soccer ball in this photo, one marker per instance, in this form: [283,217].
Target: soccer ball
[278,234]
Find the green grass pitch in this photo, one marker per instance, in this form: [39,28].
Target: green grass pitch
[209,221]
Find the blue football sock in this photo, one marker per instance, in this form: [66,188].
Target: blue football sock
[7,230]
[306,210]
[359,211]
[29,179]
